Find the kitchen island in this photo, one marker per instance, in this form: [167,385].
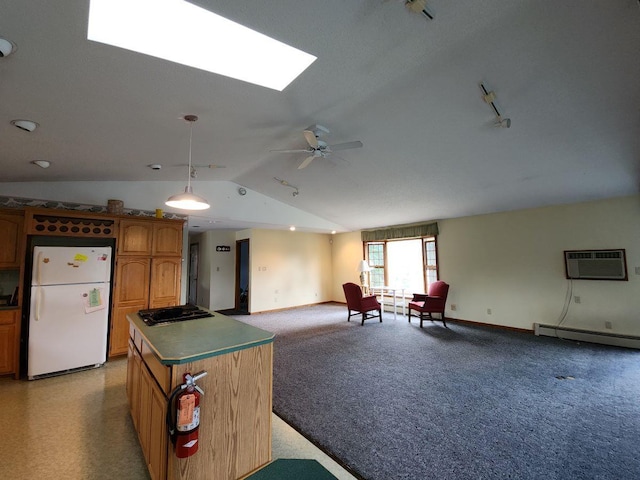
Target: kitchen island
[235,412]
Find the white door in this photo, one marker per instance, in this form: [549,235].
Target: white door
[64,265]
[67,327]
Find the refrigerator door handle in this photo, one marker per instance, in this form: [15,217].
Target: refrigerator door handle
[38,301]
[39,290]
[38,261]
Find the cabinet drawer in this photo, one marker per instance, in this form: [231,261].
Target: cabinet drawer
[160,372]
[136,337]
[9,317]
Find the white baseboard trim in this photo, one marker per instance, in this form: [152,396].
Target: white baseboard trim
[569,333]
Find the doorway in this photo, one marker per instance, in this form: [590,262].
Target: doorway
[194,253]
[242,276]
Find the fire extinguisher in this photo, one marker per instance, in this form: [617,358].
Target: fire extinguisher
[183,415]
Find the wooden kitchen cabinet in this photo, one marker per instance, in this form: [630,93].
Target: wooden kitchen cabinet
[165,282]
[148,272]
[156,453]
[9,340]
[148,403]
[150,237]
[167,239]
[134,362]
[132,281]
[135,237]
[130,294]
[11,226]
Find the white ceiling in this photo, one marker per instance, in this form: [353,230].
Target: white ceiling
[566,73]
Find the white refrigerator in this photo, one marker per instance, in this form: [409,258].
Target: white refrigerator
[69,309]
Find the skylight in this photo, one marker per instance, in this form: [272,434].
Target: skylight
[184,33]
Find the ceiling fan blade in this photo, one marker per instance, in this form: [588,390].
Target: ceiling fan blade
[345,146]
[306,162]
[311,138]
[306,150]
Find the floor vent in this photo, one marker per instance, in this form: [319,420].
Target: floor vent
[628,341]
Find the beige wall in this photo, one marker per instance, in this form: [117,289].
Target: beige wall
[288,269]
[347,252]
[512,263]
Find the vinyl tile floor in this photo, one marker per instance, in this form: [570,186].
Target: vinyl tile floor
[77,426]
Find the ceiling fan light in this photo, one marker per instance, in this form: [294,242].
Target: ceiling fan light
[187,200]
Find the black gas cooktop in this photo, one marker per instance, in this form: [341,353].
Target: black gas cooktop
[179,313]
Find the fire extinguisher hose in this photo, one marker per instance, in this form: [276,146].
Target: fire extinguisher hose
[171,416]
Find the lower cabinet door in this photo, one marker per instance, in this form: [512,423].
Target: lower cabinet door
[120,328]
[158,434]
[7,348]
[152,430]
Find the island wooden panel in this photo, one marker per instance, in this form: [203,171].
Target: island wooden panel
[235,423]
[235,411]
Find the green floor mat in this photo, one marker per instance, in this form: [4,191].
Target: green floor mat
[290,469]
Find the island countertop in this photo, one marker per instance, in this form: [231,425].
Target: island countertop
[187,341]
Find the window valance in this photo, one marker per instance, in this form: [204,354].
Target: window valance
[401,231]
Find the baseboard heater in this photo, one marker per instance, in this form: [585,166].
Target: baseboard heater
[568,333]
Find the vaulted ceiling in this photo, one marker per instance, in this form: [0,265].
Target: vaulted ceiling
[566,74]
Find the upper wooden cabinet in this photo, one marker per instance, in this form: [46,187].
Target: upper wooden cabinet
[135,237]
[150,237]
[10,240]
[167,239]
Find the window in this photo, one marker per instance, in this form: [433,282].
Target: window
[410,264]
[375,257]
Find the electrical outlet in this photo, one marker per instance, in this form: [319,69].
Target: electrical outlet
[637,270]
[608,325]
[576,298]
[488,311]
[454,307]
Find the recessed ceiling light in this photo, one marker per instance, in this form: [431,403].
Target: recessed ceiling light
[6,47]
[26,125]
[42,163]
[209,42]
[292,228]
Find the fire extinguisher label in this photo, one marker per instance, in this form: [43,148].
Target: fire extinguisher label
[188,413]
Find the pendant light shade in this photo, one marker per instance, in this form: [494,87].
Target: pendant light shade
[188,200]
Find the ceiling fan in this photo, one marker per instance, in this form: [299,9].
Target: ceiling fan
[318,148]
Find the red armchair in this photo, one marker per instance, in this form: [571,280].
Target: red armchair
[357,303]
[433,302]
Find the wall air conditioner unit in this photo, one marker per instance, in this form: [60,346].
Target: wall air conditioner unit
[596,264]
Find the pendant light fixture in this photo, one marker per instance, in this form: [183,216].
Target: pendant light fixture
[188,200]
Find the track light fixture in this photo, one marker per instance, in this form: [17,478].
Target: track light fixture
[490,97]
[419,6]
[284,183]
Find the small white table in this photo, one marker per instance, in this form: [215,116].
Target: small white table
[392,292]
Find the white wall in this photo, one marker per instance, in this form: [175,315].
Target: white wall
[216,270]
[512,263]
